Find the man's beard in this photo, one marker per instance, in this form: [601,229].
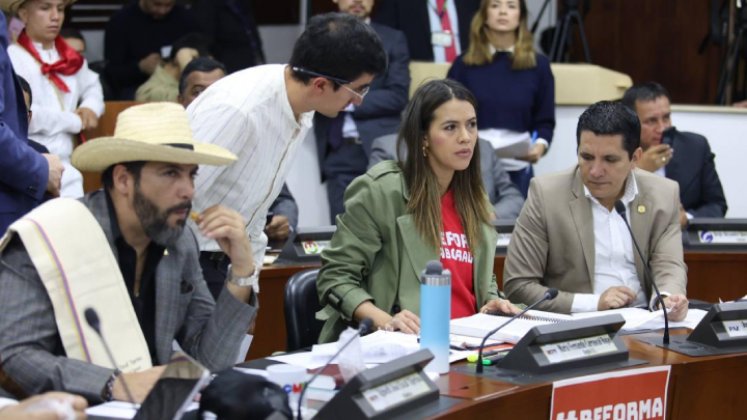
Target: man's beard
[155,223]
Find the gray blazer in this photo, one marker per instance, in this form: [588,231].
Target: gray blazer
[553,242]
[30,348]
[503,194]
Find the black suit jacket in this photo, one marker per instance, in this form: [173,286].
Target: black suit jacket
[693,168]
[379,114]
[411,17]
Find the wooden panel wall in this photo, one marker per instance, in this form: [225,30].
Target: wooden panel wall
[655,40]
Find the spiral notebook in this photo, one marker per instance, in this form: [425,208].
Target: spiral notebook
[479,325]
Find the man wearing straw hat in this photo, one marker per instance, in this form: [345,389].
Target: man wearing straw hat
[123,251]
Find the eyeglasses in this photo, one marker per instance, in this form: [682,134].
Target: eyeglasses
[361,92]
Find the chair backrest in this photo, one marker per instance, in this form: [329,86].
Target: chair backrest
[301,305]
[421,72]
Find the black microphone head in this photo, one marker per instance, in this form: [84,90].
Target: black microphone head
[365,325]
[433,267]
[551,293]
[92,318]
[620,207]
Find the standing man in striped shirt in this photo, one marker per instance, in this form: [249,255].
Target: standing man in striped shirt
[262,114]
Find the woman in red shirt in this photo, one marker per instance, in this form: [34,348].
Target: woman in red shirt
[399,216]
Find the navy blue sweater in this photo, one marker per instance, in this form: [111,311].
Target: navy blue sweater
[518,100]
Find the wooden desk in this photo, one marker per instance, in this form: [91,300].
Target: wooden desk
[699,388]
[710,276]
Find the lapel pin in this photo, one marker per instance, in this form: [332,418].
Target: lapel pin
[641,209]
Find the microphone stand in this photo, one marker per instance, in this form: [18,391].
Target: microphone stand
[549,295]
[620,208]
[92,318]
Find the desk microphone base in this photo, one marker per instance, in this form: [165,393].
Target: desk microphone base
[680,344]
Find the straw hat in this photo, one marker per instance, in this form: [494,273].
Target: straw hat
[12,6]
[156,132]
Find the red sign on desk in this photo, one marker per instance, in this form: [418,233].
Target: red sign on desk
[631,394]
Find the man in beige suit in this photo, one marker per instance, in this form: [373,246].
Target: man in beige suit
[569,236]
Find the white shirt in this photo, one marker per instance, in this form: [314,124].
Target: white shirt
[54,122]
[614,261]
[248,113]
[439,52]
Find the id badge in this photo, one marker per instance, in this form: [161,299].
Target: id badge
[441,39]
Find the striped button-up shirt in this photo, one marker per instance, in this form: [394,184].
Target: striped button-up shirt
[248,113]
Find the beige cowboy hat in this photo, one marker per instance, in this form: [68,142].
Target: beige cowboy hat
[11,6]
[156,132]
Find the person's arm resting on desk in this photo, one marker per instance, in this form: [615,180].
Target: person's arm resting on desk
[355,245]
[526,259]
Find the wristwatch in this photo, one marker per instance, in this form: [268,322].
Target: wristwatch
[250,280]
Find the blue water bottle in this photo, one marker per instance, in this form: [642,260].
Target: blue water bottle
[435,313]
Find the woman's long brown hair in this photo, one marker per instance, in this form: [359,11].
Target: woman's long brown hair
[478,52]
[425,199]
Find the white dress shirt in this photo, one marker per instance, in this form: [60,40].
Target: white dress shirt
[614,259]
[54,122]
[248,113]
[439,52]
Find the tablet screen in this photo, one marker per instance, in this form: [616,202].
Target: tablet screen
[176,388]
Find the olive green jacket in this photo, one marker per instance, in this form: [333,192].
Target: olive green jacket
[377,254]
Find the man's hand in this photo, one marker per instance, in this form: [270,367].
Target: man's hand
[616,297]
[226,227]
[655,157]
[677,305]
[49,406]
[88,118]
[500,306]
[54,181]
[139,383]
[683,217]
[278,228]
[535,153]
[184,56]
[404,321]
[148,64]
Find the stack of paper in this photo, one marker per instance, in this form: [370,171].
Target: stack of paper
[636,320]
[479,325]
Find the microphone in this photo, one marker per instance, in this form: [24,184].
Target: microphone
[620,208]
[363,327]
[92,318]
[550,294]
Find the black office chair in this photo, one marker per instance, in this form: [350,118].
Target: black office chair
[301,305]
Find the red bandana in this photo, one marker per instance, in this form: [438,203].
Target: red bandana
[69,63]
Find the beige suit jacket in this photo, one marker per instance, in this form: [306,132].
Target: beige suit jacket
[553,242]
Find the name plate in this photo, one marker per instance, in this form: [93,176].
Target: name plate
[722,237]
[503,239]
[736,328]
[396,392]
[578,348]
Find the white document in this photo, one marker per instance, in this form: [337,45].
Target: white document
[639,319]
[636,320]
[507,143]
[479,325]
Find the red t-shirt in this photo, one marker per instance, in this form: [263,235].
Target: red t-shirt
[457,257]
